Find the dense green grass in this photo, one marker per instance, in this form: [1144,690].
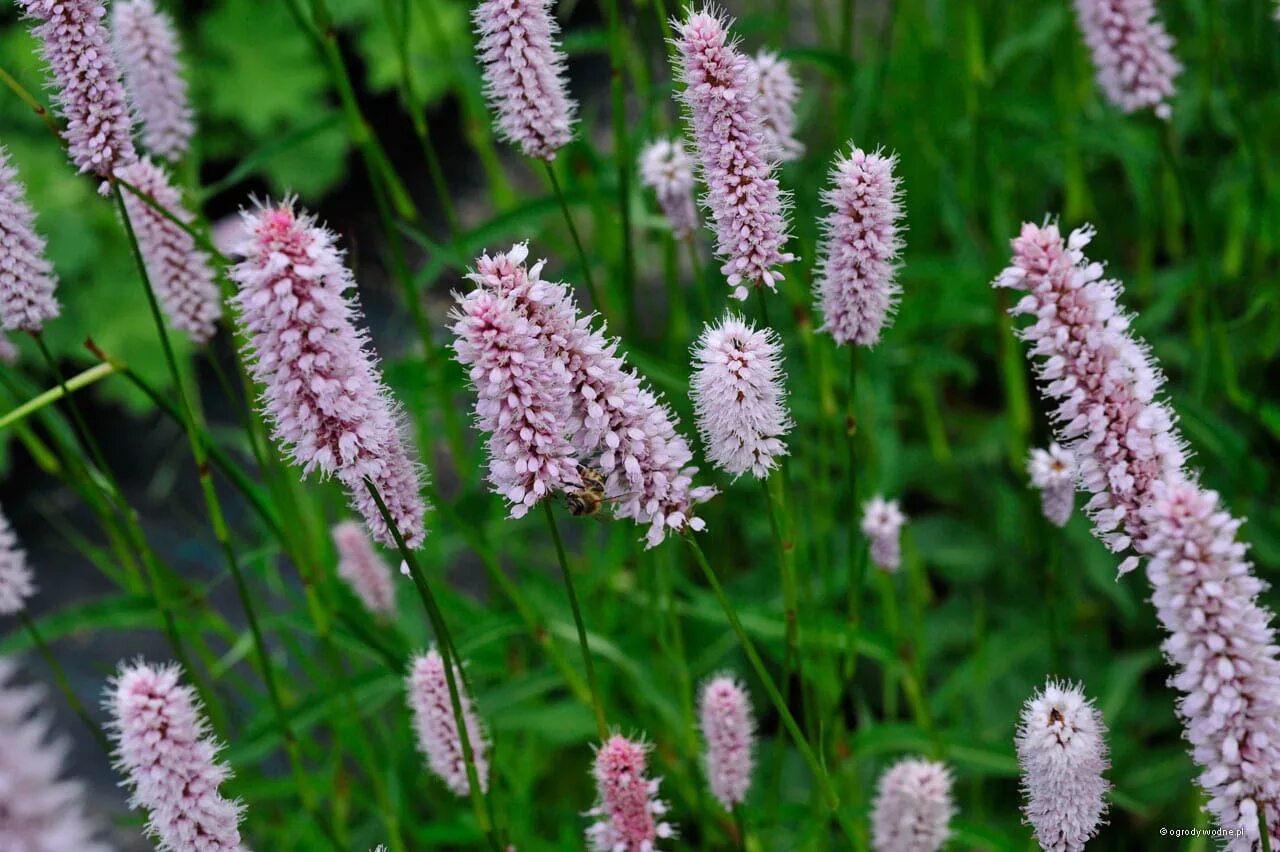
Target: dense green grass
[992,109]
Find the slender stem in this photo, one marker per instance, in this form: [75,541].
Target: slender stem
[64,685]
[37,107]
[787,568]
[1053,539]
[1264,830]
[597,706]
[75,383]
[815,767]
[740,826]
[622,156]
[577,240]
[857,554]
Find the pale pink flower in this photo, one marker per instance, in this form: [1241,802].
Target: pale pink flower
[739,398]
[164,747]
[618,425]
[27,280]
[1223,647]
[39,810]
[775,101]
[1109,416]
[523,398]
[524,74]
[146,47]
[323,394]
[17,583]
[629,816]
[742,192]
[912,810]
[1062,754]
[1053,474]
[1132,53]
[364,571]
[437,729]
[180,272]
[882,523]
[729,730]
[667,169]
[856,288]
[86,84]
[8,352]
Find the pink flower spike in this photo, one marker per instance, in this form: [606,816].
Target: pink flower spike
[667,169]
[524,74]
[742,192]
[1223,649]
[437,729]
[163,746]
[912,810]
[27,280]
[181,272]
[363,569]
[17,584]
[146,46]
[775,101]
[41,811]
[1132,53]
[1053,474]
[1062,753]
[739,398]
[328,407]
[87,88]
[882,523]
[729,731]
[855,289]
[629,816]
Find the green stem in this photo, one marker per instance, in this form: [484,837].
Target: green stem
[64,685]
[75,383]
[1264,831]
[577,241]
[787,568]
[857,554]
[37,107]
[622,156]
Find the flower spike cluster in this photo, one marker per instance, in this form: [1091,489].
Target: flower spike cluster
[1132,53]
[882,523]
[27,280]
[1053,474]
[163,746]
[667,169]
[628,813]
[39,810]
[775,101]
[437,729]
[1062,753]
[146,46]
[739,398]
[855,289]
[180,271]
[17,584]
[328,407]
[616,424]
[86,83]
[742,192]
[912,810]
[363,569]
[524,74]
[729,731]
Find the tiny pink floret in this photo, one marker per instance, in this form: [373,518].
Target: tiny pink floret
[729,731]
[629,816]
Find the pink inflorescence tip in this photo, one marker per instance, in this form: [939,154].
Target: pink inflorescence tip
[882,523]
[1062,753]
[729,731]
[617,425]
[328,407]
[163,746]
[524,74]
[363,569]
[86,83]
[181,272]
[1053,474]
[739,398]
[667,169]
[27,280]
[437,729]
[146,46]
[1223,647]
[39,810]
[629,816]
[912,810]
[742,192]
[17,584]
[856,288]
[775,101]
[1132,53]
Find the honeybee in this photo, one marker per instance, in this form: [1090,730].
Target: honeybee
[586,501]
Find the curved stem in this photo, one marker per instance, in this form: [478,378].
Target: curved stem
[64,685]
[577,241]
